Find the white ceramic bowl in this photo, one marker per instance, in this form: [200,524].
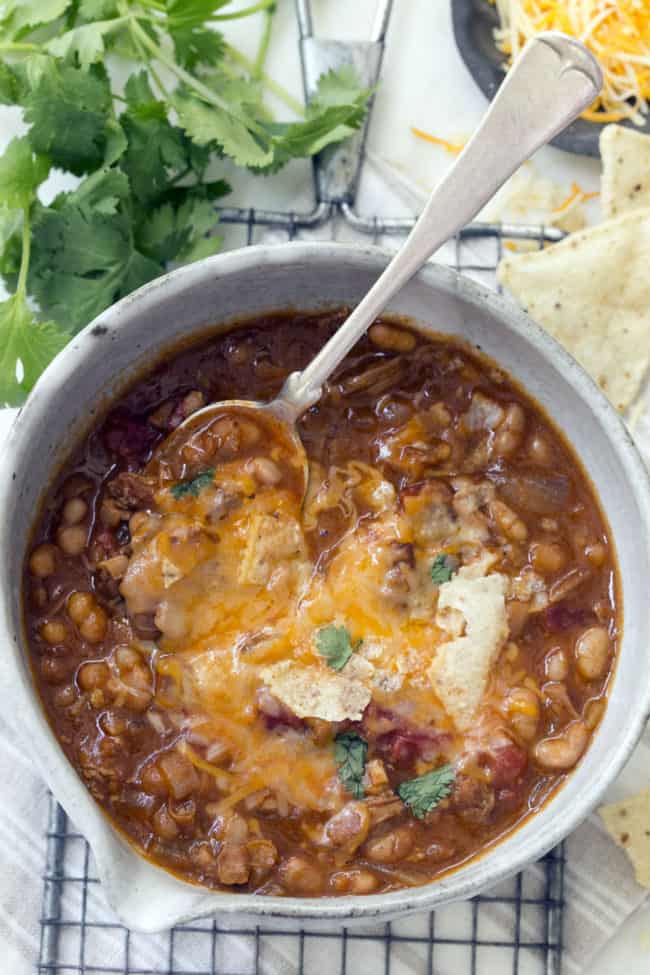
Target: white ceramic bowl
[97,365]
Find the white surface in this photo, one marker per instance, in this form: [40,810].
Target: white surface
[424,83]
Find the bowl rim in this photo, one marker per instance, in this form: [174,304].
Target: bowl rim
[460,882]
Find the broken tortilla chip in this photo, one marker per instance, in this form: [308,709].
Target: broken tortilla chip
[628,823]
[625,183]
[592,293]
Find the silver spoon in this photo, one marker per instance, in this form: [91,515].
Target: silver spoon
[550,83]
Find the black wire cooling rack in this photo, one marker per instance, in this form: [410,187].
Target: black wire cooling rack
[515,928]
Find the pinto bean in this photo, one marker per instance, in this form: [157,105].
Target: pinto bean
[54,632]
[511,431]
[163,824]
[42,562]
[596,553]
[509,521]
[93,675]
[233,864]
[390,338]
[548,557]
[556,665]
[265,470]
[349,827]
[562,751]
[72,539]
[181,775]
[391,847]
[592,652]
[301,875]
[263,857]
[80,605]
[74,511]
[539,450]
[355,882]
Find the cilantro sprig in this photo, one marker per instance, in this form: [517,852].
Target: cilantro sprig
[350,751]
[334,644]
[423,793]
[442,569]
[194,486]
[146,153]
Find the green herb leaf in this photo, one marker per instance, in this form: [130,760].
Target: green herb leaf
[18,14]
[21,173]
[26,348]
[176,233]
[333,643]
[192,12]
[83,252]
[194,486]
[197,45]
[85,42]
[69,109]
[424,793]
[207,124]
[90,10]
[157,152]
[350,752]
[442,569]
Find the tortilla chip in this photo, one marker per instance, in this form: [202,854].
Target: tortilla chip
[592,293]
[628,823]
[625,183]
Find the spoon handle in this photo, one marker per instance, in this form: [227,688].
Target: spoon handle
[551,82]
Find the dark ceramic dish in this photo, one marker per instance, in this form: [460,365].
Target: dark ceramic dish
[474,22]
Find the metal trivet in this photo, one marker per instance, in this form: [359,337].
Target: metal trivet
[516,927]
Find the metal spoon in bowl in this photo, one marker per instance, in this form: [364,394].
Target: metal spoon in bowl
[550,83]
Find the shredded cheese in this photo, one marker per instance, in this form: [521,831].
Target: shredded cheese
[617,32]
[453,147]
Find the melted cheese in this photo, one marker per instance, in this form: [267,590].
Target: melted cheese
[239,601]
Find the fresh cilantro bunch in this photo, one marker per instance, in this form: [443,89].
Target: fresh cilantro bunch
[146,153]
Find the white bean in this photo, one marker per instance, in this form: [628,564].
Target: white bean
[592,652]
[562,751]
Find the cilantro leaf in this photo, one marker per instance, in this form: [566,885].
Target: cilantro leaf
[83,251]
[442,569]
[338,86]
[156,150]
[26,348]
[21,172]
[206,124]
[195,45]
[8,84]
[90,10]
[350,751]
[19,14]
[193,486]
[69,109]
[422,794]
[174,233]
[85,42]
[333,643]
[192,12]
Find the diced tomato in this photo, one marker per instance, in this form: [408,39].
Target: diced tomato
[562,617]
[507,763]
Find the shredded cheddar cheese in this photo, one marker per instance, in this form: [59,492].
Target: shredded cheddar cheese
[617,32]
[452,147]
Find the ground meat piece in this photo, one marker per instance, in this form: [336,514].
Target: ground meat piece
[384,807]
[472,799]
[131,490]
[348,827]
